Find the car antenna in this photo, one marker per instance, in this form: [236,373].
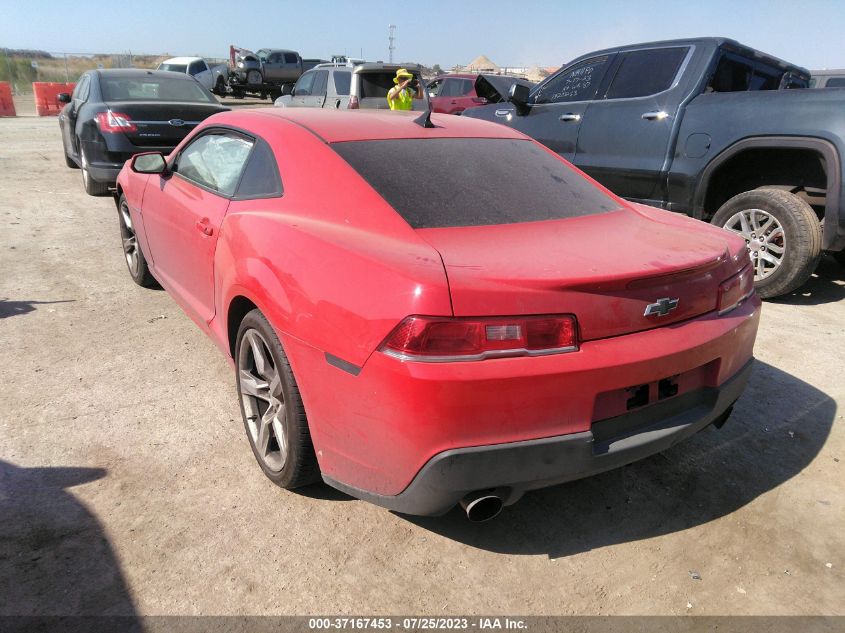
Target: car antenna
[424,120]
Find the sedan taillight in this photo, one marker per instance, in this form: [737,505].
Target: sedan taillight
[438,339]
[736,290]
[114,122]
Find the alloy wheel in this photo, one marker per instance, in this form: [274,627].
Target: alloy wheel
[764,237]
[129,239]
[263,400]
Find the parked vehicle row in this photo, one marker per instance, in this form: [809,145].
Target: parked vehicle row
[418,341]
[114,114]
[706,127]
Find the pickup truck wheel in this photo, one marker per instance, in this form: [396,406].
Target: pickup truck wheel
[253,78]
[782,233]
[220,87]
[135,260]
[272,408]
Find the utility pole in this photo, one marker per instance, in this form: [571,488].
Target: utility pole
[391,38]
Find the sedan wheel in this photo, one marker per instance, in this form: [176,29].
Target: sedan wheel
[135,260]
[263,401]
[274,416]
[92,187]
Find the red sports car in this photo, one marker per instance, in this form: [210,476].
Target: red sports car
[422,316]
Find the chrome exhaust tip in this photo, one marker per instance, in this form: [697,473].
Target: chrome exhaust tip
[482,506]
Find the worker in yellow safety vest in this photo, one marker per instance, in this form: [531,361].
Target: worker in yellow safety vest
[407,88]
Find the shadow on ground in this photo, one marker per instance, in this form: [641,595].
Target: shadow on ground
[701,479]
[55,558]
[15,308]
[827,285]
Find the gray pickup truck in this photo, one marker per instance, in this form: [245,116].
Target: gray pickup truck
[267,72]
[706,127]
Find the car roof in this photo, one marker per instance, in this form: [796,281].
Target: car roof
[376,66]
[458,76]
[336,126]
[139,72]
[182,60]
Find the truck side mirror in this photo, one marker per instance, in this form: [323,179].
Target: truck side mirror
[518,95]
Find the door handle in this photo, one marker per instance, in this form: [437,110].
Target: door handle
[502,113]
[204,227]
[657,115]
[570,117]
[453,102]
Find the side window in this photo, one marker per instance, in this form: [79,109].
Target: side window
[215,161]
[835,82]
[321,77]
[435,87]
[80,92]
[261,175]
[196,68]
[576,83]
[274,58]
[466,87]
[450,88]
[303,85]
[342,79]
[291,58]
[644,73]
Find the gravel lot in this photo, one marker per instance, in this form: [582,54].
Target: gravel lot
[127,484]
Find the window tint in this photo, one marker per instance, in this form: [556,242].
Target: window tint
[261,174]
[577,83]
[320,79]
[196,68]
[375,84]
[736,74]
[644,73]
[435,182]
[174,68]
[80,92]
[342,79]
[274,58]
[835,82]
[153,88]
[291,58]
[215,161]
[304,85]
[450,88]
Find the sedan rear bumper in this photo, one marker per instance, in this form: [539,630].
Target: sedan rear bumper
[516,467]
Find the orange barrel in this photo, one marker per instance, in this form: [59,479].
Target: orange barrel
[46,93]
[7,106]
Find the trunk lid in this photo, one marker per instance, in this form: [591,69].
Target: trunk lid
[605,269]
[162,124]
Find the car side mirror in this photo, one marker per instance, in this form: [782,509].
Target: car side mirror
[63,97]
[518,95]
[149,163]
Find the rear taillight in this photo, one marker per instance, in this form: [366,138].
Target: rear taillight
[437,339]
[736,290]
[353,103]
[113,122]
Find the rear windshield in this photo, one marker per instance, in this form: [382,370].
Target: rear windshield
[473,182]
[174,68]
[153,88]
[376,84]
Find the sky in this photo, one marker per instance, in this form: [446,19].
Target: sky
[510,33]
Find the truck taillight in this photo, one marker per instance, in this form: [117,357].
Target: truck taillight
[735,290]
[113,122]
[438,339]
[353,103]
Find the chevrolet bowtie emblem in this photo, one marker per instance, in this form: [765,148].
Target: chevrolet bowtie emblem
[661,307]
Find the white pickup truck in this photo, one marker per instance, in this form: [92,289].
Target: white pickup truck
[214,78]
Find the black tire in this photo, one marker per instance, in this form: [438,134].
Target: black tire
[299,465]
[801,238]
[132,253]
[68,160]
[92,187]
[220,87]
[839,256]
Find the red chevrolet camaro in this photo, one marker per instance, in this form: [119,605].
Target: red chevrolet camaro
[423,316]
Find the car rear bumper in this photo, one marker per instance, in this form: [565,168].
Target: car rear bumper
[106,161]
[513,468]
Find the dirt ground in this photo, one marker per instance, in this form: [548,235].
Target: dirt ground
[127,485]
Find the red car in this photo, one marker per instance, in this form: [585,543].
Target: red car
[422,316]
[454,93]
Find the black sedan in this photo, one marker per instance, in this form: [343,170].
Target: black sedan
[116,113]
